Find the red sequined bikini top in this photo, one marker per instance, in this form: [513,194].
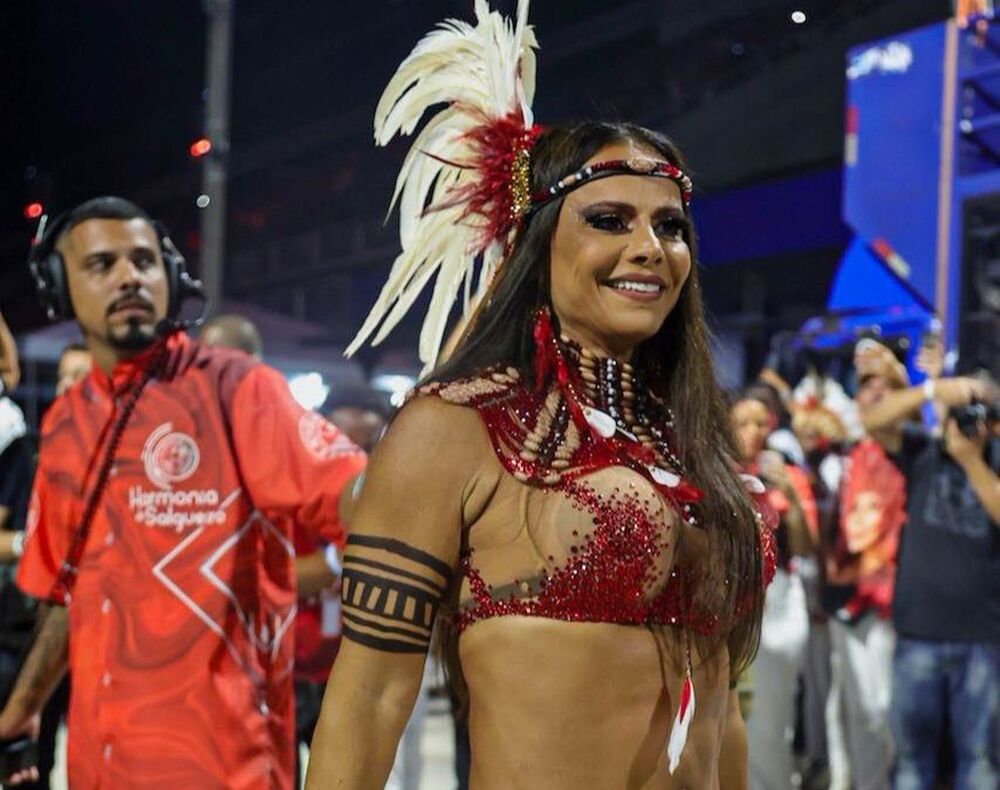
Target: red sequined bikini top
[601,500]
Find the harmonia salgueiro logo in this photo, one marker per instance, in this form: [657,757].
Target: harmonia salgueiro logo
[170,457]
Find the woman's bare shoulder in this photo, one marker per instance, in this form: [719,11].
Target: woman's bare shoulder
[473,391]
[439,431]
[431,424]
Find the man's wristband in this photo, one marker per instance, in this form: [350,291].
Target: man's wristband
[929,389]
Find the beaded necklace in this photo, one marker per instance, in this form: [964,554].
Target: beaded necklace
[617,401]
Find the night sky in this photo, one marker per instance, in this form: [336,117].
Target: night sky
[105,97]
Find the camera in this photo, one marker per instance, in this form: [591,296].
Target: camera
[969,417]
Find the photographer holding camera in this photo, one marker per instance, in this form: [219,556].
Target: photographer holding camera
[946,607]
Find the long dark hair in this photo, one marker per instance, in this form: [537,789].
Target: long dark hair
[677,365]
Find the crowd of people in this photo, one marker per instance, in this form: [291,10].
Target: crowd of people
[878,659]
[879,662]
[629,581]
[18,611]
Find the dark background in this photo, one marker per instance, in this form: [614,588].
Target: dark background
[106,98]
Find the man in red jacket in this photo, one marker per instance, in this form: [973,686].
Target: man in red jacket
[317,563]
[173,604]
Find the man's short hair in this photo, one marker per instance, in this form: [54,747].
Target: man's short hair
[104,207]
[235,331]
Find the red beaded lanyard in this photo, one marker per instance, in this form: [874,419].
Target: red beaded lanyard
[66,577]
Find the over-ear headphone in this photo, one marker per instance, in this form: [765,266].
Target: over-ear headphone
[48,272]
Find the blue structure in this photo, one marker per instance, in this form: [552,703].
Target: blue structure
[922,139]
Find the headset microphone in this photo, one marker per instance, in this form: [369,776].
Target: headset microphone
[183,287]
[190,288]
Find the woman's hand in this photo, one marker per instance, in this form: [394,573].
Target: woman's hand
[930,360]
[871,358]
[774,379]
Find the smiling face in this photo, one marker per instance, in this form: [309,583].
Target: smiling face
[619,257]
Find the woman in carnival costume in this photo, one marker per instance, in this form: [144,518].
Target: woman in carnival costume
[560,497]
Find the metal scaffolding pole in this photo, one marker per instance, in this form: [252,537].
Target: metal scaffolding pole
[219,58]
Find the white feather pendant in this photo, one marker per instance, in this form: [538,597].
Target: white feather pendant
[685,711]
[482,72]
[682,723]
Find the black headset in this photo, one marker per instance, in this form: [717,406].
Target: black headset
[48,272]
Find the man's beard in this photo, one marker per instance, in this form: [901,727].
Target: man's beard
[135,337]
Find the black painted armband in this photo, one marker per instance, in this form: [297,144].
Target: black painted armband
[391,593]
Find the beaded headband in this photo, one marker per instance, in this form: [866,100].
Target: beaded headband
[636,166]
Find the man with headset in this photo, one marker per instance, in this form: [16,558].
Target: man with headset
[160,525]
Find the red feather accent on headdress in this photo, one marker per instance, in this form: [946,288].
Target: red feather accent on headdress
[495,143]
[686,492]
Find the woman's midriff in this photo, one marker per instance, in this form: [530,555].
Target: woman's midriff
[586,705]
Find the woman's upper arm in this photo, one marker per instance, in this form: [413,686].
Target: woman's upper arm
[404,542]
[402,549]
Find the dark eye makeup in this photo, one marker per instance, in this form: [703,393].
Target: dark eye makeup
[616,219]
[674,227]
[609,221]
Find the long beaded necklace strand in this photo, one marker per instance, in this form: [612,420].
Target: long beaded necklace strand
[614,389]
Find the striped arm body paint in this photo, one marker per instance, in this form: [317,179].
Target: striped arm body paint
[391,593]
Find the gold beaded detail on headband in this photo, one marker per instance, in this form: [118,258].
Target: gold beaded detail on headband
[520,182]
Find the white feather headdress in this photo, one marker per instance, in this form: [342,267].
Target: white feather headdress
[454,189]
